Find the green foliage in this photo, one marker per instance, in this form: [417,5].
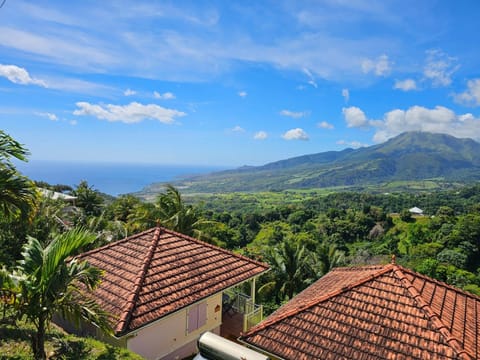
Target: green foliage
[48,283]
[88,199]
[17,193]
[292,270]
[178,216]
[406,216]
[15,344]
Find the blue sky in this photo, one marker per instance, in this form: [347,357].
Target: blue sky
[233,82]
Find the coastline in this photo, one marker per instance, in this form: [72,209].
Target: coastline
[110,178]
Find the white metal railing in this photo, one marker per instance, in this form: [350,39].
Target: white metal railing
[243,304]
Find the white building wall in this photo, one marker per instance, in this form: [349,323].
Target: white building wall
[167,339]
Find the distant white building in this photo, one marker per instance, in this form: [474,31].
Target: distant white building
[416,211]
[57,195]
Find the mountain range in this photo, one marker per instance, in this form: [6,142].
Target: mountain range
[411,156]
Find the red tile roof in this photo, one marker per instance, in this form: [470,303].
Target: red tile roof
[373,312]
[157,272]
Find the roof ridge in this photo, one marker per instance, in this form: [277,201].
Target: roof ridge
[382,270]
[450,287]
[436,321]
[127,313]
[204,243]
[114,243]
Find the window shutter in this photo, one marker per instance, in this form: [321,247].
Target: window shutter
[192,319]
[196,317]
[202,314]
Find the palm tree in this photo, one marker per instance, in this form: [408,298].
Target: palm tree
[50,282]
[88,199]
[327,257]
[143,216]
[176,215]
[291,270]
[17,193]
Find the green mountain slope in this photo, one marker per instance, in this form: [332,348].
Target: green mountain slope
[409,156]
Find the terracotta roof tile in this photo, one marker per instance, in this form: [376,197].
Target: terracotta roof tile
[374,312]
[157,272]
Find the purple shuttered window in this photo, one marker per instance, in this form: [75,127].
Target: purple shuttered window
[196,317]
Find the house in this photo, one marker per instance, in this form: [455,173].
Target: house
[54,195]
[373,312]
[164,289]
[416,211]
[67,214]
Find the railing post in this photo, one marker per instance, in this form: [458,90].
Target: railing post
[252,292]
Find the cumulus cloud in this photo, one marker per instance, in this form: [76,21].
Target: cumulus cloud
[164,96]
[405,85]
[293,114]
[129,114]
[129,92]
[352,144]
[355,117]
[439,68]
[471,96]
[437,120]
[380,66]
[48,115]
[238,129]
[18,75]
[418,118]
[346,95]
[242,94]
[325,125]
[311,79]
[260,135]
[295,134]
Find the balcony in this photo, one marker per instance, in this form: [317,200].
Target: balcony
[239,313]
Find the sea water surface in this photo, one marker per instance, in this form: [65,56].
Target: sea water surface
[110,178]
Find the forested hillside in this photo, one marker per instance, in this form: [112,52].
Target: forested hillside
[411,156]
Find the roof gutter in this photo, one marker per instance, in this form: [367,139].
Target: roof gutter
[259,349]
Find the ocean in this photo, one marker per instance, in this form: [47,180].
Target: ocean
[110,178]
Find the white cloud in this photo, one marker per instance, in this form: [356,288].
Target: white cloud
[355,117]
[439,68]
[73,122]
[129,114]
[418,118]
[260,135]
[293,114]
[325,125]
[471,96]
[353,144]
[242,94]
[295,134]
[311,79]
[81,38]
[67,84]
[164,96]
[380,66]
[238,129]
[129,92]
[48,115]
[18,75]
[63,47]
[405,85]
[346,95]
